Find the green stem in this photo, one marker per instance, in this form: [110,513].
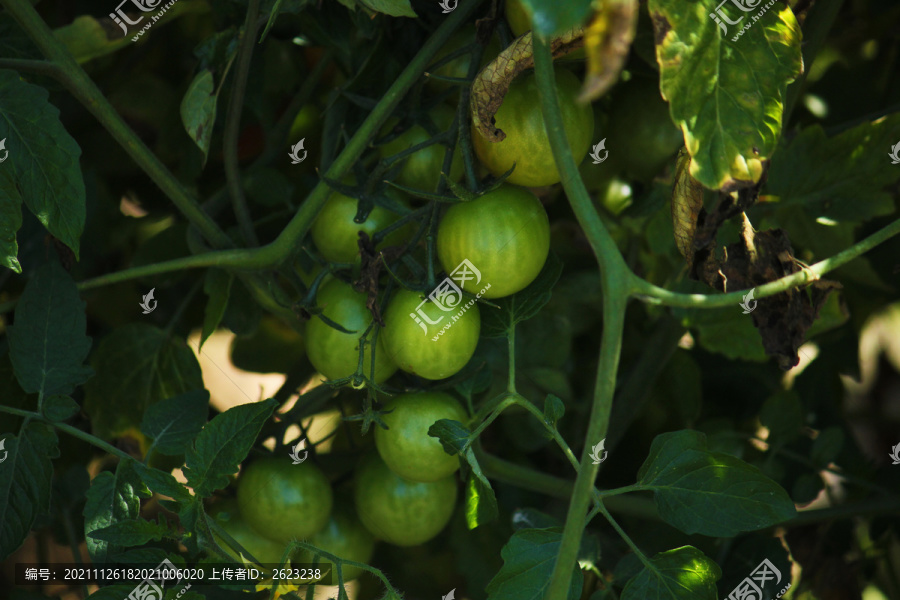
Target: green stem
[39,67]
[616,289]
[643,558]
[511,338]
[233,126]
[80,85]
[90,439]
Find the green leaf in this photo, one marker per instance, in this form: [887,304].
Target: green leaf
[134,532]
[198,110]
[845,177]
[162,483]
[112,498]
[827,446]
[453,435]
[683,573]
[174,422]
[726,94]
[25,478]
[43,161]
[554,409]
[222,444]
[58,408]
[216,285]
[10,220]
[528,561]
[551,17]
[523,304]
[704,492]
[726,331]
[86,39]
[783,416]
[481,503]
[394,8]
[137,366]
[47,344]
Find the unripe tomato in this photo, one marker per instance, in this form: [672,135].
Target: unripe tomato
[344,536]
[228,516]
[282,500]
[406,447]
[335,354]
[443,347]
[505,234]
[641,132]
[526,144]
[399,511]
[336,234]
[422,170]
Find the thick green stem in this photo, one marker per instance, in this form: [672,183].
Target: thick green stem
[83,88]
[616,289]
[233,126]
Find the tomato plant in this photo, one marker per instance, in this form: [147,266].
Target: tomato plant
[604,311]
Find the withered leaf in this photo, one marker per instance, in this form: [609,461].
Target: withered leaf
[687,205]
[491,85]
[607,41]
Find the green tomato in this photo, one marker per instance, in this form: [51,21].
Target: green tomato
[336,233]
[344,536]
[422,170]
[526,144]
[228,516]
[504,234]
[335,354]
[282,500]
[641,132]
[406,447]
[426,340]
[399,511]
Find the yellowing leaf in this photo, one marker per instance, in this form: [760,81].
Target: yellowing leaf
[607,41]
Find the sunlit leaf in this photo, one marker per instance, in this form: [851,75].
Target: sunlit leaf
[528,561]
[680,574]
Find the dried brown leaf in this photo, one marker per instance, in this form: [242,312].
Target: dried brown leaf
[607,41]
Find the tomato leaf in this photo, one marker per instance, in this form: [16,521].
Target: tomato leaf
[222,444]
[528,561]
[782,414]
[726,94]
[133,532]
[554,409]
[25,482]
[710,493]
[142,364]
[550,17]
[681,574]
[217,286]
[86,39]
[481,503]
[162,483]
[47,344]
[41,168]
[111,498]
[174,422]
[394,8]
[607,43]
[59,408]
[523,304]
[844,177]
[453,435]
[198,110]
